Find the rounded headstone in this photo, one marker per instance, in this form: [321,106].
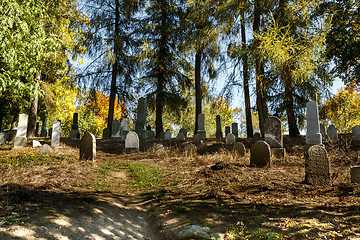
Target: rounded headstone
[132,142]
[260,154]
[230,138]
[317,166]
[151,134]
[88,147]
[45,149]
[239,147]
[256,136]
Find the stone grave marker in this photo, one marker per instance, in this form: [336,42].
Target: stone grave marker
[124,128]
[132,142]
[21,139]
[332,133]
[197,139]
[219,133]
[322,131]
[3,137]
[43,132]
[190,149]
[239,147]
[141,116]
[313,135]
[36,143]
[201,126]
[180,137]
[159,149]
[273,132]
[230,138]
[227,130]
[355,174]
[151,134]
[167,135]
[260,154]
[11,135]
[184,132]
[106,133]
[88,147]
[37,126]
[45,149]
[356,133]
[115,129]
[74,133]
[162,135]
[257,136]
[55,134]
[235,130]
[317,166]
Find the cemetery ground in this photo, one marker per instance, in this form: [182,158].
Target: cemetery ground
[155,195]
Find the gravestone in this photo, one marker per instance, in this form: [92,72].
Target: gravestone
[260,154]
[273,132]
[159,149]
[356,133]
[227,130]
[239,147]
[197,139]
[141,116]
[88,147]
[124,128]
[3,137]
[218,134]
[190,149]
[167,135]
[332,133]
[55,134]
[11,135]
[37,126]
[184,132]
[322,131]
[115,129]
[235,130]
[317,166]
[230,138]
[43,131]
[21,139]
[201,126]
[106,133]
[355,174]
[151,134]
[313,135]
[36,143]
[256,136]
[74,133]
[45,149]
[162,135]
[180,137]
[131,142]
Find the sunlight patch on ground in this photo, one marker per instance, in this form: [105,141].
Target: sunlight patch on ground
[62,221]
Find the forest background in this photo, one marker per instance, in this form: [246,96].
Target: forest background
[279,54]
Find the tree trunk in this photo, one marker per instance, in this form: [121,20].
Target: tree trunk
[33,110]
[198,94]
[261,102]
[1,121]
[114,69]
[289,105]
[249,126]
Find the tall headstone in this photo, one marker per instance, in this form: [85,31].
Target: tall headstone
[230,138]
[167,135]
[332,133]
[124,128]
[260,154]
[317,166]
[43,132]
[74,133]
[132,142]
[356,133]
[37,126]
[235,129]
[219,133]
[313,135]
[273,132]
[20,139]
[201,126]
[88,147]
[115,131]
[184,132]
[227,130]
[55,134]
[323,131]
[141,116]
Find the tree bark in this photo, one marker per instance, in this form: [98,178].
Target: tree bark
[33,110]
[289,105]
[249,126]
[198,94]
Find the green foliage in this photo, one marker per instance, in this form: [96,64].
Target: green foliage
[145,176]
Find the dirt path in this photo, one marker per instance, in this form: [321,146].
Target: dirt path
[64,216]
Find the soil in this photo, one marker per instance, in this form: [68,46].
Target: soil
[62,197]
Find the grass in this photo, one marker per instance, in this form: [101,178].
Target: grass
[144,175]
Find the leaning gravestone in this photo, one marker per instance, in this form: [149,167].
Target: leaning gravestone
[273,132]
[20,139]
[313,135]
[332,133]
[88,147]
[184,132]
[235,129]
[239,147]
[317,166]
[230,138]
[74,133]
[227,130]
[218,134]
[260,154]
[45,149]
[55,134]
[131,142]
[43,132]
[115,129]
[201,126]
[356,133]
[167,135]
[124,128]
[180,137]
[141,116]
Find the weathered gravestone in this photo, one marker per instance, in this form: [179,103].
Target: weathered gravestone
[151,134]
[230,138]
[20,139]
[356,133]
[322,131]
[257,136]
[273,132]
[43,132]
[201,126]
[184,132]
[355,174]
[74,133]
[239,147]
[106,133]
[313,135]
[45,149]
[3,137]
[219,133]
[197,139]
[161,135]
[190,149]
[55,134]
[167,135]
[88,147]
[131,142]
[260,154]
[159,149]
[332,133]
[227,130]
[141,117]
[37,126]
[115,129]
[124,128]
[180,137]
[235,129]
[317,166]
